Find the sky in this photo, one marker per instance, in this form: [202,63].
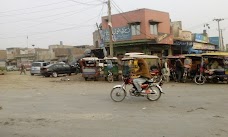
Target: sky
[40,23]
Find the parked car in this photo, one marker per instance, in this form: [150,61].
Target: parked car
[56,69]
[12,68]
[36,67]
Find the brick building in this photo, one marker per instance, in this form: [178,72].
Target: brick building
[141,30]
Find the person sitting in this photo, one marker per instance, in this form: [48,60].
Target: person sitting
[144,74]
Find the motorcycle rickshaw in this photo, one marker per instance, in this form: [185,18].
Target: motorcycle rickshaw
[171,65]
[191,66]
[90,68]
[213,68]
[111,71]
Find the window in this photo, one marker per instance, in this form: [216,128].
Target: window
[135,29]
[154,28]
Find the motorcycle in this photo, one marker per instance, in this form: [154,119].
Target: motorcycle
[152,91]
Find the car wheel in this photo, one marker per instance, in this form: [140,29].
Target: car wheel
[54,74]
[32,74]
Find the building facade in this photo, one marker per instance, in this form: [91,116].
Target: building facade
[141,30]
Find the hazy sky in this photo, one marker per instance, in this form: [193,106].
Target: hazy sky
[48,22]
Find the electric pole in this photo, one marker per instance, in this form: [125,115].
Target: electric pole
[110,29]
[220,42]
[223,46]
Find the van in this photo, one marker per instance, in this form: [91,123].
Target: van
[36,67]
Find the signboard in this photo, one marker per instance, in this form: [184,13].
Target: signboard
[201,38]
[183,43]
[185,35]
[164,38]
[214,40]
[119,34]
[203,46]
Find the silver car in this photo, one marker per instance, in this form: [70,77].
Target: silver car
[36,66]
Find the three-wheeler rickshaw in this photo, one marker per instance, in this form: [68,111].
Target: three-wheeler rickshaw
[191,66]
[130,65]
[110,69]
[171,64]
[90,68]
[213,68]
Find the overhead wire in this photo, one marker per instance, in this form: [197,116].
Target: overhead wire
[121,13]
[68,28]
[57,18]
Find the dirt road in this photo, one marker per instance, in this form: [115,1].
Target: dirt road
[33,106]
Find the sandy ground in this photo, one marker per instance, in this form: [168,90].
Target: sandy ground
[33,106]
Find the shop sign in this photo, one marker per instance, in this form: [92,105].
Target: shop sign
[203,46]
[214,40]
[182,43]
[164,38]
[119,34]
[201,38]
[185,35]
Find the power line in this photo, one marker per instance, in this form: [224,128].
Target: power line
[34,7]
[45,5]
[58,18]
[121,13]
[83,3]
[51,31]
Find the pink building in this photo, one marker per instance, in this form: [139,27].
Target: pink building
[142,30]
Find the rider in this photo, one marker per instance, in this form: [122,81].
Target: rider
[143,72]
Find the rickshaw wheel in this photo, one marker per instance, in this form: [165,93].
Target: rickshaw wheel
[199,80]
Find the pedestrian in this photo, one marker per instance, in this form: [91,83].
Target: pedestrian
[179,69]
[166,70]
[23,69]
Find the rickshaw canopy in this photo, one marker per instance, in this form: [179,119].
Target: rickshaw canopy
[90,58]
[216,54]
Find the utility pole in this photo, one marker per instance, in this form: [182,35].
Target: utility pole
[110,29]
[220,42]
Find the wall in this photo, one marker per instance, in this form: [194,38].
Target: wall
[143,16]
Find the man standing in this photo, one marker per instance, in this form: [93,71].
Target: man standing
[179,69]
[22,69]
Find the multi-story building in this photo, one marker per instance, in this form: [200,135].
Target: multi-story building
[141,30]
[187,42]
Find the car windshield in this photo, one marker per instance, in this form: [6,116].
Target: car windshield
[36,64]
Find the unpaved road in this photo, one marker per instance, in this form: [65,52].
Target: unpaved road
[33,106]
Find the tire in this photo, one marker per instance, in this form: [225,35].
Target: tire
[118,94]
[184,77]
[174,76]
[55,74]
[110,79]
[32,74]
[155,95]
[47,75]
[86,78]
[199,79]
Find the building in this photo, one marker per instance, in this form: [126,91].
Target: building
[141,30]
[186,42]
